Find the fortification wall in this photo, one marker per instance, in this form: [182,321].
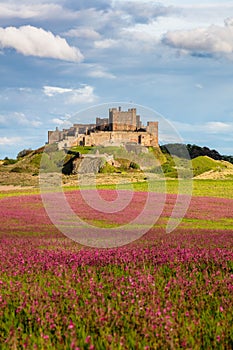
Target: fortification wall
[117,138]
[122,121]
[120,127]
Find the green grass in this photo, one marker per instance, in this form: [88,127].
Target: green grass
[221,224]
[82,149]
[205,188]
[16,193]
[203,164]
[213,188]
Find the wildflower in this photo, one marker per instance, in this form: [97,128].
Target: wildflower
[88,339]
[71,325]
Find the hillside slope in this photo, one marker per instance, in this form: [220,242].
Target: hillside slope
[203,167]
[207,168]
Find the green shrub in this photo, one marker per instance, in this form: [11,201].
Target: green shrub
[17,170]
[36,159]
[9,161]
[48,164]
[107,169]
[24,153]
[124,164]
[134,166]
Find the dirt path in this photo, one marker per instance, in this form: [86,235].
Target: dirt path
[4,188]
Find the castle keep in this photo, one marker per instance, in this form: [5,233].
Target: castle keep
[119,128]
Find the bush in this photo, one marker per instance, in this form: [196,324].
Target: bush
[107,169]
[17,170]
[134,166]
[124,164]
[8,161]
[24,153]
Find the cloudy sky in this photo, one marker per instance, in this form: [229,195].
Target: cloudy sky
[58,57]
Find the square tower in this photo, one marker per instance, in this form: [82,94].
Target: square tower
[122,120]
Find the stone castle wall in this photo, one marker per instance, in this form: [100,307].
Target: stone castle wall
[116,138]
[120,127]
[122,120]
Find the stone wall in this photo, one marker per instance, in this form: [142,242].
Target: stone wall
[117,138]
[120,127]
[102,124]
[122,121]
[53,136]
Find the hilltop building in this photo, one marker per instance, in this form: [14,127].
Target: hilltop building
[121,127]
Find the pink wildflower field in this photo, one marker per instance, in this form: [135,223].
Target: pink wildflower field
[163,291]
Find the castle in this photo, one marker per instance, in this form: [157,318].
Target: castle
[121,127]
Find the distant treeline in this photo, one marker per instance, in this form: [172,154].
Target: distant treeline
[194,151]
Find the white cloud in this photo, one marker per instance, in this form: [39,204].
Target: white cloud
[33,41]
[204,5]
[61,122]
[105,44]
[144,11]
[10,140]
[9,10]
[21,119]
[215,127]
[83,32]
[25,89]
[218,127]
[199,86]
[16,9]
[54,90]
[99,72]
[141,33]
[169,138]
[85,94]
[214,39]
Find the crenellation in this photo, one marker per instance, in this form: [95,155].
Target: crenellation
[121,127]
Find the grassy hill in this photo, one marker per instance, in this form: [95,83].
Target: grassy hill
[29,163]
[203,166]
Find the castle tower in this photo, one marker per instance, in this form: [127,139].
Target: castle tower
[122,120]
[152,128]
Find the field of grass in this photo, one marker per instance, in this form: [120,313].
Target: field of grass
[205,188]
[163,291]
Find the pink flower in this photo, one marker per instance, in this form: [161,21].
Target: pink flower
[88,339]
[71,325]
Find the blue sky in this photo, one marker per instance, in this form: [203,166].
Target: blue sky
[60,57]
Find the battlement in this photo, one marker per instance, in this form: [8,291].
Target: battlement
[122,120]
[120,126]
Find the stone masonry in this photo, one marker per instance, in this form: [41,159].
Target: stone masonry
[120,128]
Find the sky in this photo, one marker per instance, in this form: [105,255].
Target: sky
[61,57]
